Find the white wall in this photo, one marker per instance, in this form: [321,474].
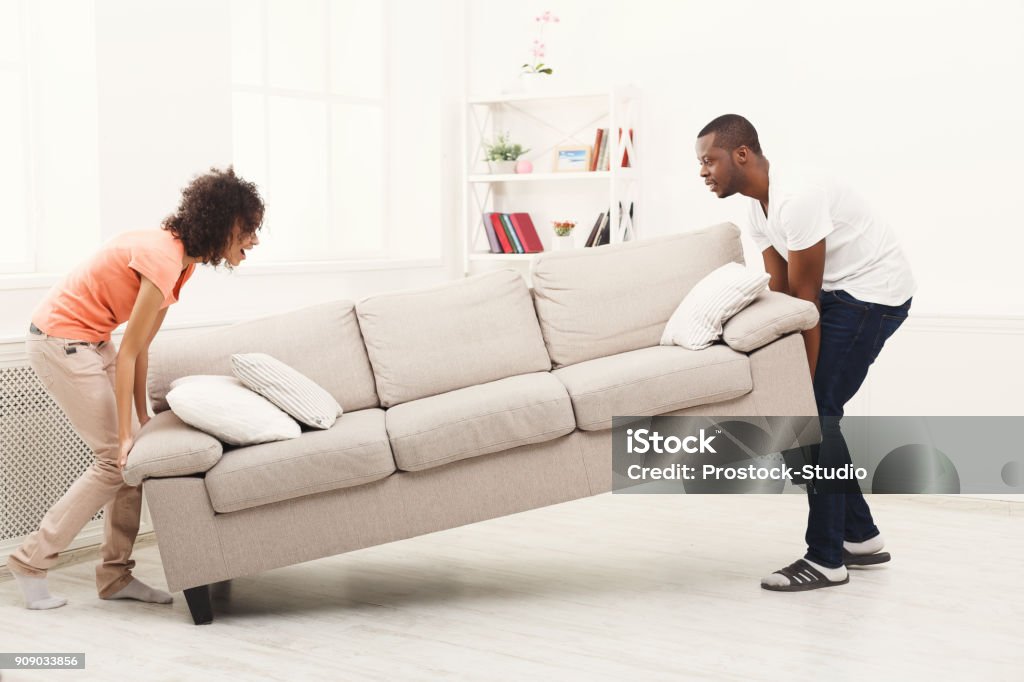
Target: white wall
[164,104]
[916,105]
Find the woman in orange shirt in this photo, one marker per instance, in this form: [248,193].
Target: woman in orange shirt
[133,278]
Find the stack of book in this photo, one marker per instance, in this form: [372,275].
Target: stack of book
[511,233]
[601,159]
[600,234]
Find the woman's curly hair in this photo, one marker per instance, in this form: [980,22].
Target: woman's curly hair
[209,208]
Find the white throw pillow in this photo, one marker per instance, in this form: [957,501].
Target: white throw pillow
[224,408]
[698,320]
[289,389]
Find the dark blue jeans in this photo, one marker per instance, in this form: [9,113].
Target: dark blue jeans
[852,334]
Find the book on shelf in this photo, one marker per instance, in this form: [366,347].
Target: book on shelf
[598,229]
[512,233]
[499,232]
[604,149]
[597,148]
[593,231]
[604,236]
[601,158]
[492,237]
[512,236]
[527,232]
[601,233]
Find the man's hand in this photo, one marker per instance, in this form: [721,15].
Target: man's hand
[126,446]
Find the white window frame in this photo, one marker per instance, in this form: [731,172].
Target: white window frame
[26,268]
[367,260]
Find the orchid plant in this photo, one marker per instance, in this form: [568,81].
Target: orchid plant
[537,49]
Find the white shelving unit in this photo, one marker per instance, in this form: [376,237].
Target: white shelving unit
[543,122]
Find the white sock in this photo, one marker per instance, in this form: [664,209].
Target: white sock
[832,574]
[140,591]
[872,546]
[37,594]
[779,580]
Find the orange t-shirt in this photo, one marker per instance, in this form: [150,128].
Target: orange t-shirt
[98,295]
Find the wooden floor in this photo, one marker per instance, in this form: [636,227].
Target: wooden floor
[613,587]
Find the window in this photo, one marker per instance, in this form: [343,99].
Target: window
[15,231]
[310,112]
[48,137]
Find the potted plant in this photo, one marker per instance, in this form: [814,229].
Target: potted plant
[536,71]
[563,234]
[501,154]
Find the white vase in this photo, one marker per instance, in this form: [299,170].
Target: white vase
[564,243]
[502,167]
[534,82]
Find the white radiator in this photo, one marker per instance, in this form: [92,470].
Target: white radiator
[40,457]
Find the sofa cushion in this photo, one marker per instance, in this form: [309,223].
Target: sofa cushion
[653,381]
[352,452]
[320,341]
[167,446]
[593,303]
[458,334]
[697,322]
[298,395]
[772,315]
[478,420]
[224,408]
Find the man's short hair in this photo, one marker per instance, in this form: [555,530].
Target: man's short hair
[732,131]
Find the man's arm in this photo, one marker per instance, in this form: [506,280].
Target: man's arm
[805,272]
[142,369]
[776,267]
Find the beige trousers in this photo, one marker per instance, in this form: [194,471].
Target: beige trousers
[79,376]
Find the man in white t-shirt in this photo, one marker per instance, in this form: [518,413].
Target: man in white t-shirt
[823,243]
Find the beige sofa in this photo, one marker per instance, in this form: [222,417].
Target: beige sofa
[465,401]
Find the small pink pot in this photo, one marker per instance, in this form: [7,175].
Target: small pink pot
[524,166]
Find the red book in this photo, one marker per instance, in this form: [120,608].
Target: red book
[499,231]
[527,232]
[597,149]
[513,238]
[625,149]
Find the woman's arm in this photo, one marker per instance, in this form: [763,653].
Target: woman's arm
[142,371]
[140,325]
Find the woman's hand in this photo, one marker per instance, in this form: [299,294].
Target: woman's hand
[126,446]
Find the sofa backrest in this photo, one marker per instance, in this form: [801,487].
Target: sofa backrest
[449,336]
[321,341]
[611,299]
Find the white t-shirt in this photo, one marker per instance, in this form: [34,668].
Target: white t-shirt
[862,254]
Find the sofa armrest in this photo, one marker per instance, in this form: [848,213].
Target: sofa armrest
[771,316]
[167,446]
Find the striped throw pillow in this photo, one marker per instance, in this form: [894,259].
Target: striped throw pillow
[287,388]
[698,320]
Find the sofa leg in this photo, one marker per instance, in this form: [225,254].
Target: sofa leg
[198,599]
